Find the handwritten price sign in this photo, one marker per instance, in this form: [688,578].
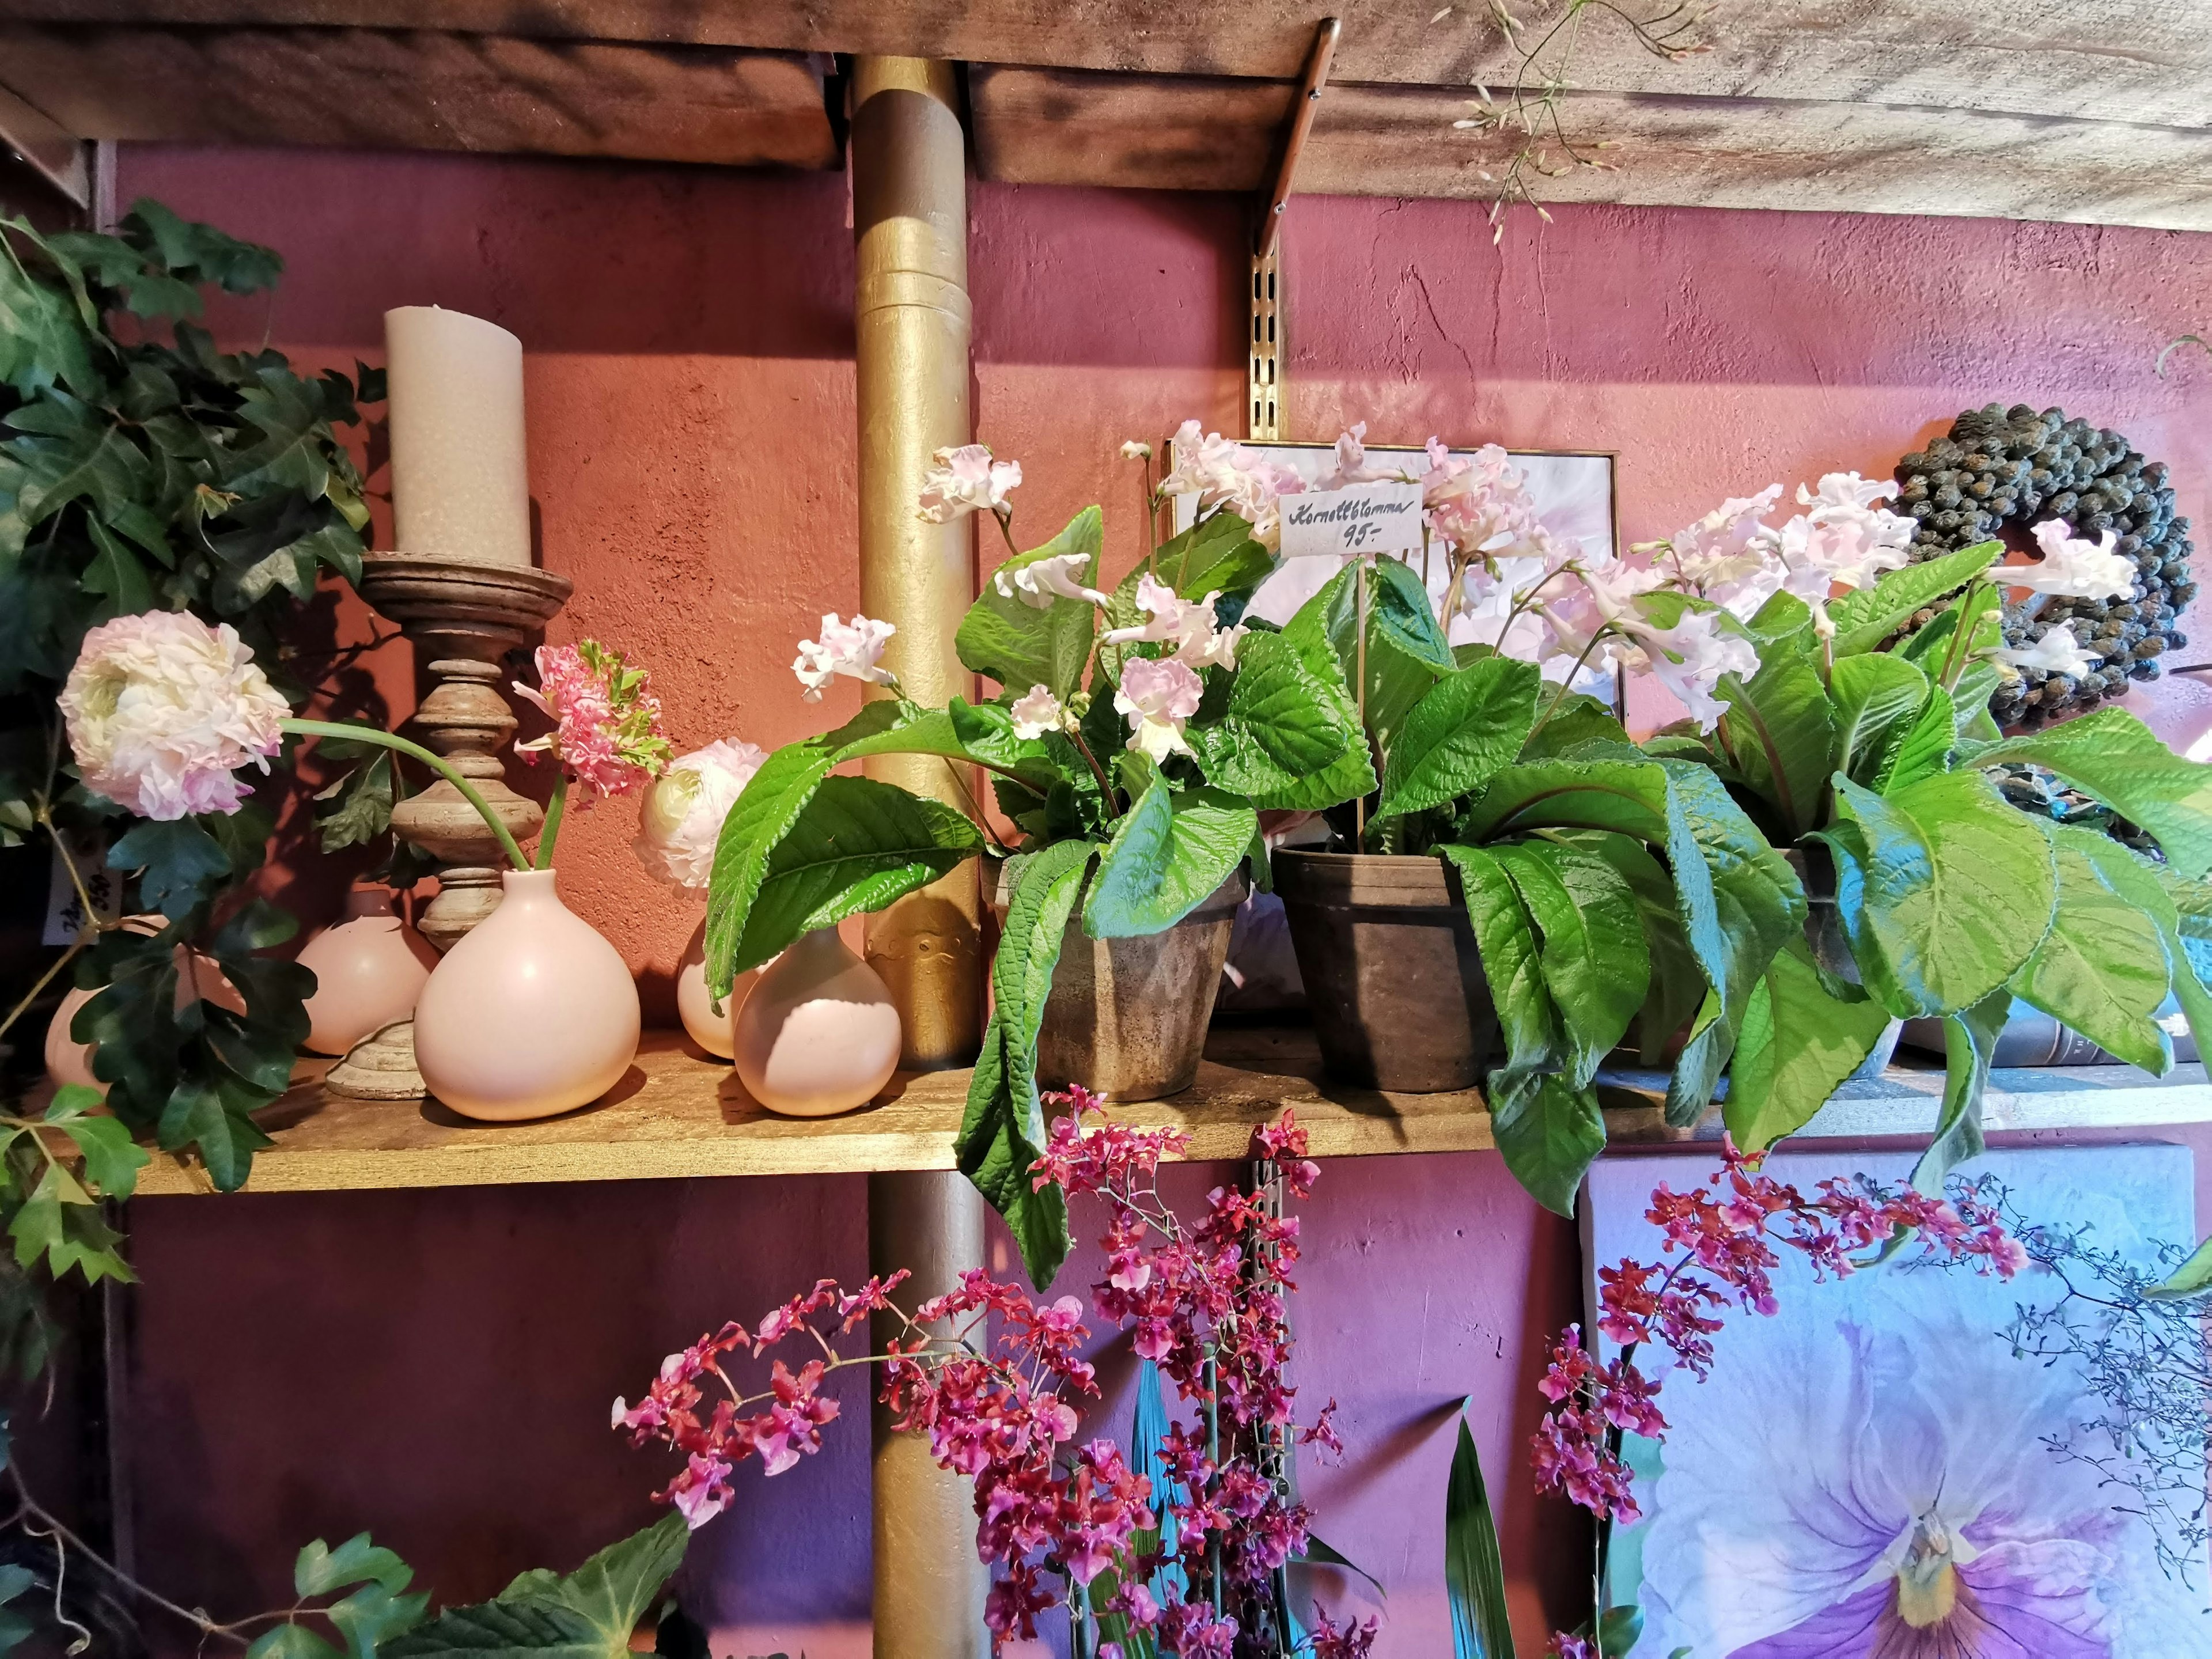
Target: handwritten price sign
[1368,517]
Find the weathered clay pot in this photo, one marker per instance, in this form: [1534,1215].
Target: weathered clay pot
[1393,978]
[1126,1017]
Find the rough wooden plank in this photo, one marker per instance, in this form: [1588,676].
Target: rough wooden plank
[423,90]
[2137,60]
[1063,126]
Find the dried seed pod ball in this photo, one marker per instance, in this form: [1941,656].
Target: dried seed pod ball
[2017,466]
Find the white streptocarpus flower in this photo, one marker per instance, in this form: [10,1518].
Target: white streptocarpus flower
[1188,624]
[851,648]
[1843,539]
[1690,658]
[681,818]
[966,480]
[1221,473]
[162,710]
[1478,503]
[1134,450]
[2056,653]
[2071,567]
[1040,581]
[1351,467]
[1158,698]
[1038,712]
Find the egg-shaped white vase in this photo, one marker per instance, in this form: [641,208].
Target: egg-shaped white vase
[710,1030]
[369,970]
[818,1035]
[533,1012]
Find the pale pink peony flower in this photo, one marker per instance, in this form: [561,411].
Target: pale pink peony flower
[852,649]
[162,710]
[681,819]
[606,720]
[2071,567]
[1038,713]
[1040,581]
[967,480]
[1158,698]
[2056,653]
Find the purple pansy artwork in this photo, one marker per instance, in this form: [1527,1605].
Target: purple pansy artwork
[1869,1474]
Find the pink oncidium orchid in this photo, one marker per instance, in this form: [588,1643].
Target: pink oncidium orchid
[606,734]
[994,1379]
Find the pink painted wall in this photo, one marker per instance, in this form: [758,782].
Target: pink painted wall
[435,1366]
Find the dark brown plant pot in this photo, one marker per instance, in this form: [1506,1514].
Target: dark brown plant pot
[1126,1017]
[1393,978]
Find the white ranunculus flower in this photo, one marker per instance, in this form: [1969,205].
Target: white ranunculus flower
[162,710]
[681,819]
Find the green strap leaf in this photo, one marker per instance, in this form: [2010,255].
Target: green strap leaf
[1970,1037]
[1797,1042]
[1002,1132]
[1474,1573]
[1469,726]
[1549,1138]
[1874,694]
[2102,970]
[2113,756]
[1943,890]
[1677,983]
[1865,618]
[1406,653]
[1591,954]
[2154,892]
[1012,641]
[1169,855]
[1779,732]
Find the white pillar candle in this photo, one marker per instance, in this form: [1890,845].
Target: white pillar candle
[460,485]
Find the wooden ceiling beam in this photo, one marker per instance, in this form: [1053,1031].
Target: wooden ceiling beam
[56,155]
[424,90]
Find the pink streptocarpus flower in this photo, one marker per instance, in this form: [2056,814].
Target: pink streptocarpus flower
[1189,624]
[1158,698]
[163,710]
[854,648]
[1038,712]
[966,480]
[1040,581]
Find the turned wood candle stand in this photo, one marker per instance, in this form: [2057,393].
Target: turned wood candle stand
[464,619]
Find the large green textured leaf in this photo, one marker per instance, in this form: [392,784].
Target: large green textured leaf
[1592,953]
[1549,1138]
[1944,889]
[1002,1132]
[1970,1037]
[1779,730]
[1019,646]
[1218,555]
[1865,618]
[1168,855]
[43,336]
[1471,724]
[2113,756]
[1289,737]
[1507,942]
[1406,653]
[590,1614]
[2102,970]
[1677,983]
[1920,748]
[1874,694]
[1474,1573]
[2154,892]
[856,846]
[1797,1043]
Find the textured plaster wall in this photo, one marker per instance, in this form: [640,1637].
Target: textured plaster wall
[435,1366]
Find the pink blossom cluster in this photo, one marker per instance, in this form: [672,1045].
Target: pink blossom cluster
[606,720]
[1723,1240]
[993,1377]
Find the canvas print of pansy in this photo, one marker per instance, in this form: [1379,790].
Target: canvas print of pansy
[1918,1462]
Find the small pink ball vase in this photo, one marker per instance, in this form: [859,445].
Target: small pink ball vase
[369,970]
[198,979]
[818,1035]
[533,1013]
[710,1030]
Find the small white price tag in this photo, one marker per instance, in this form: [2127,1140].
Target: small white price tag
[1367,517]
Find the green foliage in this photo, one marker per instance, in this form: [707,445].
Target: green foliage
[1169,855]
[2102,970]
[1779,730]
[1970,1037]
[1867,618]
[1009,640]
[1459,735]
[2113,756]
[1474,1573]
[1288,735]
[1798,1042]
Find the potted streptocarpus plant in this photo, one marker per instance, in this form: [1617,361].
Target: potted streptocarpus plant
[1135,738]
[533,1012]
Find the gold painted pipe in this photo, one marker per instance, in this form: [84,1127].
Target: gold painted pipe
[911,328]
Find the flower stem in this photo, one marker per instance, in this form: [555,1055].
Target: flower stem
[437,763]
[1566,685]
[1005,522]
[1097,770]
[44,980]
[554,810]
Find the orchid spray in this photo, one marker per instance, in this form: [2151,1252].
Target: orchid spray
[1175,1548]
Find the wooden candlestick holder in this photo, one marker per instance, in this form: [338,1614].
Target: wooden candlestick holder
[463,619]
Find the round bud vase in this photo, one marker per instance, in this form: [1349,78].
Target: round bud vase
[818,1035]
[710,1030]
[198,979]
[531,1013]
[369,970]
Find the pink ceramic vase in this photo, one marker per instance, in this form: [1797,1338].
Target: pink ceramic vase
[531,1014]
[710,1030]
[198,979]
[818,1035]
[369,970]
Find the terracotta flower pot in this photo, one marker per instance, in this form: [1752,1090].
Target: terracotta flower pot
[709,1030]
[531,1013]
[818,1034]
[198,979]
[369,970]
[1126,1017]
[1393,978]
